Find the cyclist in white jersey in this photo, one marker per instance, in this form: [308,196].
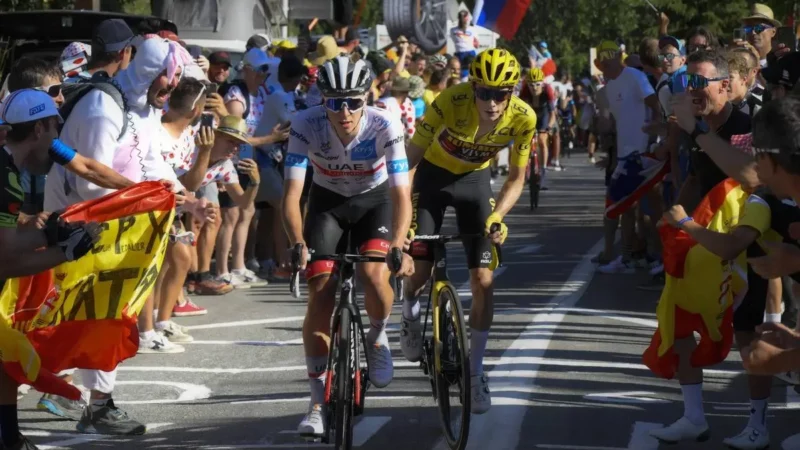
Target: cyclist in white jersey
[361,189]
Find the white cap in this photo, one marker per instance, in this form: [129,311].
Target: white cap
[192,70]
[255,57]
[27,105]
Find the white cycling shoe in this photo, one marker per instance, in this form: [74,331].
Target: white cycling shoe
[748,439]
[411,338]
[379,359]
[313,424]
[481,400]
[682,430]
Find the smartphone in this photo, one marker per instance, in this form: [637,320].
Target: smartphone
[286,125]
[739,34]
[212,89]
[207,120]
[785,36]
[679,83]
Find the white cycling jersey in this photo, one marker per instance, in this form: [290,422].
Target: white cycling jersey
[376,154]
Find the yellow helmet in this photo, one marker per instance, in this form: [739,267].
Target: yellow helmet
[495,67]
[535,75]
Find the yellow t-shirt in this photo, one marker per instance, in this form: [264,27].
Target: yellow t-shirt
[448,132]
[758,215]
[428,97]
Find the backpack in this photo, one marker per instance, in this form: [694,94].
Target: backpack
[74,92]
[226,86]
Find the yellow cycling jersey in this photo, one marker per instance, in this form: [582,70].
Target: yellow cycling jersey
[448,132]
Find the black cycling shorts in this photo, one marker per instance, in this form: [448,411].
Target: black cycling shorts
[225,200]
[470,194]
[365,218]
[750,312]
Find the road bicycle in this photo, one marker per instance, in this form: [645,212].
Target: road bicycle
[445,354]
[534,178]
[347,372]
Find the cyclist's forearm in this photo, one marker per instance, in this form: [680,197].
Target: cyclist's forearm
[511,191]
[292,219]
[401,214]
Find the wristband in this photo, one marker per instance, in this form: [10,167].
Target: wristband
[684,220]
[772,318]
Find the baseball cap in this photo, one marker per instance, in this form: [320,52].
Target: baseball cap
[673,41]
[27,105]
[258,41]
[219,58]
[112,35]
[327,49]
[255,57]
[785,71]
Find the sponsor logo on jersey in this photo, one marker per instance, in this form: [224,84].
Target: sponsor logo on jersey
[293,160]
[380,122]
[437,110]
[427,127]
[461,123]
[325,147]
[460,99]
[398,166]
[395,141]
[467,151]
[333,170]
[364,151]
[326,157]
[298,136]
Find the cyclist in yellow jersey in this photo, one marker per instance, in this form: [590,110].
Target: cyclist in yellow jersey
[467,125]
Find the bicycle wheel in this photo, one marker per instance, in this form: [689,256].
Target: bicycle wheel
[453,377]
[347,342]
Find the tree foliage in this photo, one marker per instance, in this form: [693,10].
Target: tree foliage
[572,27]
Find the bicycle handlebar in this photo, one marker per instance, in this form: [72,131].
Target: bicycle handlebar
[297,255]
[445,238]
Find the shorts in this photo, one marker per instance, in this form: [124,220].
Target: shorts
[469,194]
[270,191]
[210,192]
[611,166]
[225,200]
[750,312]
[366,219]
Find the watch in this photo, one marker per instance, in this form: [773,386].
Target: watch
[700,127]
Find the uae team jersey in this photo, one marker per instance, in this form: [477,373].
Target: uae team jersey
[448,133]
[376,155]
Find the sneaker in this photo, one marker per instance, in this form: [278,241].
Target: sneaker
[682,430]
[249,277]
[109,420]
[379,360]
[411,338]
[188,309]
[22,390]
[61,406]
[313,424]
[481,397]
[592,160]
[210,286]
[748,439]
[233,280]
[617,266]
[159,344]
[253,265]
[656,267]
[175,333]
[22,444]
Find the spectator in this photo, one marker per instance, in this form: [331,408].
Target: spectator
[464,38]
[327,49]
[352,40]
[75,62]
[259,41]
[700,38]
[219,69]
[415,94]
[399,104]
[745,93]
[760,27]
[782,76]
[112,47]
[418,64]
[437,83]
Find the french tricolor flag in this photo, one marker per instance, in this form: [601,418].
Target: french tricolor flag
[501,16]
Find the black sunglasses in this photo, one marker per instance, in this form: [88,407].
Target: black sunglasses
[498,95]
[54,90]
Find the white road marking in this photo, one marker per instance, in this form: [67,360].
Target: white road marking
[78,439]
[792,398]
[500,427]
[298,341]
[242,323]
[255,446]
[633,397]
[528,249]
[640,436]
[792,402]
[189,392]
[307,399]
[366,428]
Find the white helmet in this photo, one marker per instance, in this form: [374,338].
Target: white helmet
[341,77]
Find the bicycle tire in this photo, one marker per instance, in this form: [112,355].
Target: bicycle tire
[451,324]
[344,382]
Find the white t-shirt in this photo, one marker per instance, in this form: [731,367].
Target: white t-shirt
[625,96]
[279,107]
[176,151]
[253,117]
[222,171]
[464,40]
[406,112]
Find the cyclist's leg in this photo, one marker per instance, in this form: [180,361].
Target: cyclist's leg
[428,201]
[474,202]
[324,235]
[372,219]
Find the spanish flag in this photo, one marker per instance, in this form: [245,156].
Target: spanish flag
[700,288]
[83,313]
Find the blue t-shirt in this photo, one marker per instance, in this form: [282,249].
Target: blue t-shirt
[419,107]
[33,185]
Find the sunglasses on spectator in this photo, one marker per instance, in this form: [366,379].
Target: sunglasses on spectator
[261,70]
[498,95]
[695,48]
[698,82]
[757,29]
[54,90]
[337,104]
[667,56]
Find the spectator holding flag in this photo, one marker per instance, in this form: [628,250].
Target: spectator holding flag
[464,37]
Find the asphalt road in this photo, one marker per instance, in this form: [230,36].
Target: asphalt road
[564,357]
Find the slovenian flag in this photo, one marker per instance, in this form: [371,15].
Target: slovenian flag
[500,16]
